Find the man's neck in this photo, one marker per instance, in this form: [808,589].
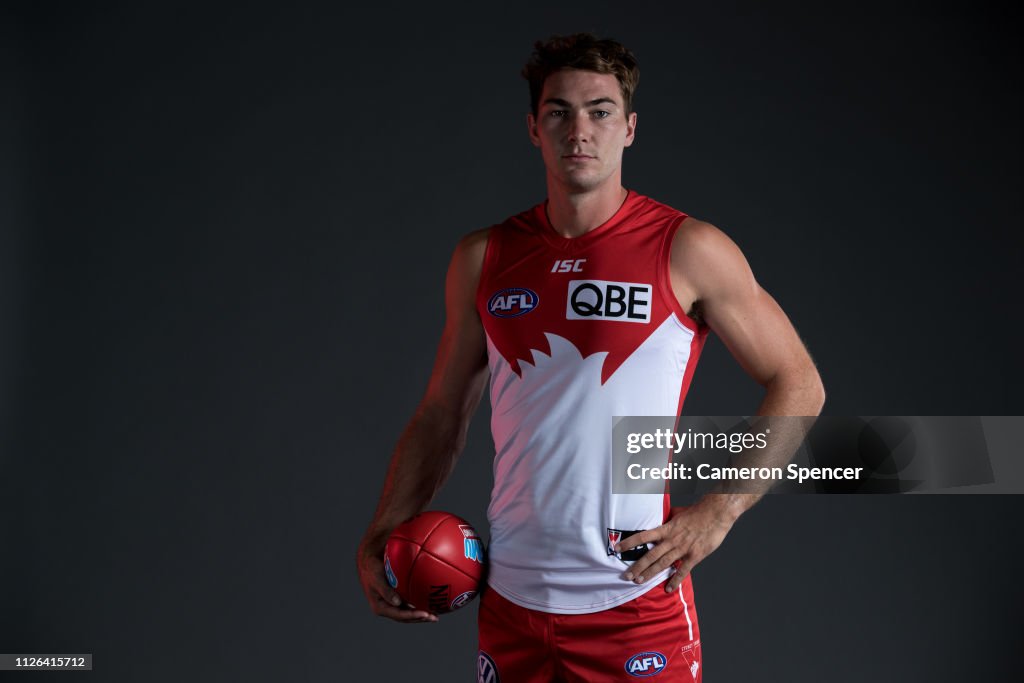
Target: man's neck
[572,215]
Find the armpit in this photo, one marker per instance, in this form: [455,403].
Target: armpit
[696,312]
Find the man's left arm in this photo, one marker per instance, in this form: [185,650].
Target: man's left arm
[712,279]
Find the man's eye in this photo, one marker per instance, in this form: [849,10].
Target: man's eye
[557,113]
[601,114]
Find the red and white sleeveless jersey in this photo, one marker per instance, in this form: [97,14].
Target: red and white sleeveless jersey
[579,330]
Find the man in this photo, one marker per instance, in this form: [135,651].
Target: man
[593,304]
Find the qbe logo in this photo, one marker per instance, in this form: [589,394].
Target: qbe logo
[646,664]
[628,302]
[486,670]
[512,302]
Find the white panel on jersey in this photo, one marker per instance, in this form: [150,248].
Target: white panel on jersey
[552,502]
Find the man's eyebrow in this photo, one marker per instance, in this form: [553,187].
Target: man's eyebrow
[563,103]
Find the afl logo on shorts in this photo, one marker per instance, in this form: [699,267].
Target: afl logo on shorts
[486,670]
[646,664]
[512,302]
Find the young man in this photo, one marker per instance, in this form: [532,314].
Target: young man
[593,304]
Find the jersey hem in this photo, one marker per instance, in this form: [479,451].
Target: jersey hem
[538,606]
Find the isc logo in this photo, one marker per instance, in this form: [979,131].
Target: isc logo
[569,265]
[512,301]
[646,664]
[603,300]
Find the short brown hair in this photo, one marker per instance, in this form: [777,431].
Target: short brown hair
[581,51]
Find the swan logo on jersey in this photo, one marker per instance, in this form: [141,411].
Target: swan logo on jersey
[614,536]
[628,302]
[512,302]
[646,664]
[627,555]
[472,546]
[486,669]
[389,572]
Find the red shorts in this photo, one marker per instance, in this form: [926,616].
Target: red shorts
[653,636]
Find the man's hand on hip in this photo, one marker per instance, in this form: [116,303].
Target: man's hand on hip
[690,534]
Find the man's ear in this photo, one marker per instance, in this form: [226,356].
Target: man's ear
[630,128]
[531,129]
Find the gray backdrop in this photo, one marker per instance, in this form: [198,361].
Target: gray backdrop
[224,235]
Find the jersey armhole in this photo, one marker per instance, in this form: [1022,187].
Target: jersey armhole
[490,256]
[665,279]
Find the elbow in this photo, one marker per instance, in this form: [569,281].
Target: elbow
[812,389]
[818,393]
[444,425]
[801,390]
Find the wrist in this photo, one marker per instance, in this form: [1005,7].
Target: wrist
[374,541]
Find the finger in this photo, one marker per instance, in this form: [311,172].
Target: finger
[643,567]
[686,566]
[656,562]
[642,538]
[386,592]
[371,573]
[404,615]
[677,578]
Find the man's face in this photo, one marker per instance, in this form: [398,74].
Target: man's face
[581,128]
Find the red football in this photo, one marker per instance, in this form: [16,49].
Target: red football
[435,561]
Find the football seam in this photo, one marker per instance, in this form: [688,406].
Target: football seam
[424,551]
[427,536]
[423,548]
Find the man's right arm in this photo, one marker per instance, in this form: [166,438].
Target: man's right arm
[430,444]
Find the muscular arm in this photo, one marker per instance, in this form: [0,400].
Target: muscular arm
[710,275]
[431,442]
[712,279]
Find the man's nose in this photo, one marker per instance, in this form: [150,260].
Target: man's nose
[578,128]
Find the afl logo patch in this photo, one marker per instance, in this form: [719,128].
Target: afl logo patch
[486,670]
[512,302]
[646,664]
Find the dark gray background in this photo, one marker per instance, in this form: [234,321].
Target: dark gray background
[224,238]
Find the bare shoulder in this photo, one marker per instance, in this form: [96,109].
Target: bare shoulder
[706,259]
[469,252]
[475,240]
[698,240]
[467,263]
[707,269]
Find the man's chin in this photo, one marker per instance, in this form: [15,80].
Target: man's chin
[579,182]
